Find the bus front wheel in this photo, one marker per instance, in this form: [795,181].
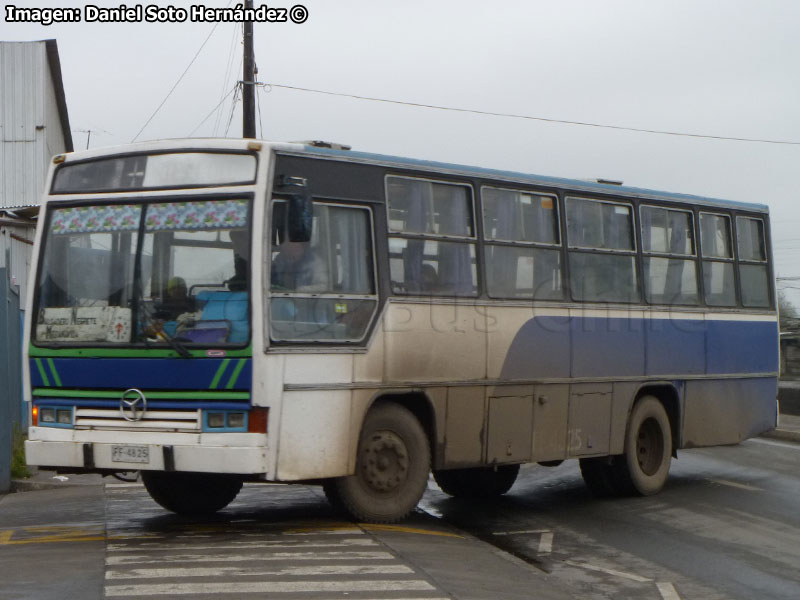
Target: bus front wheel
[191,494]
[392,467]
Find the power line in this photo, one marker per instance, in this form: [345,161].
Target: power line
[258,103]
[226,77]
[189,66]
[237,89]
[532,118]
[225,97]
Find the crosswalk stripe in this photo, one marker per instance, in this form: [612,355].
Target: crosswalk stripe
[343,555]
[245,572]
[162,547]
[262,587]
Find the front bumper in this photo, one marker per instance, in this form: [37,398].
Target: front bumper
[162,457]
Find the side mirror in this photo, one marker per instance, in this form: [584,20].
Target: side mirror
[301,213]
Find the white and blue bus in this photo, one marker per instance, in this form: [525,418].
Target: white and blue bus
[218,311]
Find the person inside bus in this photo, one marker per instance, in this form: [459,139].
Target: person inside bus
[177,301]
[298,268]
[238,283]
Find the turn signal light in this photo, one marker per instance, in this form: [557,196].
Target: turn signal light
[35,416]
[257,420]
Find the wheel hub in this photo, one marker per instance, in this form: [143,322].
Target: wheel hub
[649,447]
[384,461]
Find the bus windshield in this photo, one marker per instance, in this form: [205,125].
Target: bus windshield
[145,273]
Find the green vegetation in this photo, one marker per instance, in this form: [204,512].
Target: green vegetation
[19,470]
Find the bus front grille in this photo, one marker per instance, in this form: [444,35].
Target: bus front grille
[153,420]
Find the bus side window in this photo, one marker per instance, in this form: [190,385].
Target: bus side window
[670,269]
[717,251]
[432,250]
[522,239]
[753,275]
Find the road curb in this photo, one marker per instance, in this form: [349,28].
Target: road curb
[783,434]
[29,485]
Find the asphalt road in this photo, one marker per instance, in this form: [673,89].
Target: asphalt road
[726,526]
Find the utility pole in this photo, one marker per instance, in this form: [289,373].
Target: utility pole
[248,79]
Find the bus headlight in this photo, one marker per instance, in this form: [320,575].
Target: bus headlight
[236,420]
[227,421]
[52,416]
[216,419]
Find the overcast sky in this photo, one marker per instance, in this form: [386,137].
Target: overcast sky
[719,68]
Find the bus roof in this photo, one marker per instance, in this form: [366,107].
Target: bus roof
[578,185]
[542,180]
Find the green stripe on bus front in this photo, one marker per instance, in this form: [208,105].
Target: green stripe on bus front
[218,374]
[188,395]
[56,378]
[235,376]
[129,352]
[42,374]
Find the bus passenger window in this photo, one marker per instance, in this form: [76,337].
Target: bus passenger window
[753,275]
[717,252]
[522,239]
[602,262]
[670,270]
[431,248]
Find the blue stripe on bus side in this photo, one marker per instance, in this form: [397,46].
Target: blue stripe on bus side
[548,347]
[150,373]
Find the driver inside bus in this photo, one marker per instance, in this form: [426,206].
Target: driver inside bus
[177,301]
[298,268]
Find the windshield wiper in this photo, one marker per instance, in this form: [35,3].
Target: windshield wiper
[174,343]
[148,321]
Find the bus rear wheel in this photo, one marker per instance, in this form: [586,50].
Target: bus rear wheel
[648,448]
[644,468]
[480,482]
[392,467]
[191,494]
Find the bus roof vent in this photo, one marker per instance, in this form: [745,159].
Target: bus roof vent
[324,144]
[609,181]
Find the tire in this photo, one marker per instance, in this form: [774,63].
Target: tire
[600,476]
[480,482]
[644,468]
[126,476]
[331,491]
[392,467]
[191,494]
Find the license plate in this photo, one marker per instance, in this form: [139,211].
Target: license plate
[130,454]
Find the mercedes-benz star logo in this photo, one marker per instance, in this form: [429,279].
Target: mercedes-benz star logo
[132,405]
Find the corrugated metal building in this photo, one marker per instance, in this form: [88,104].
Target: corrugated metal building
[34,126]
